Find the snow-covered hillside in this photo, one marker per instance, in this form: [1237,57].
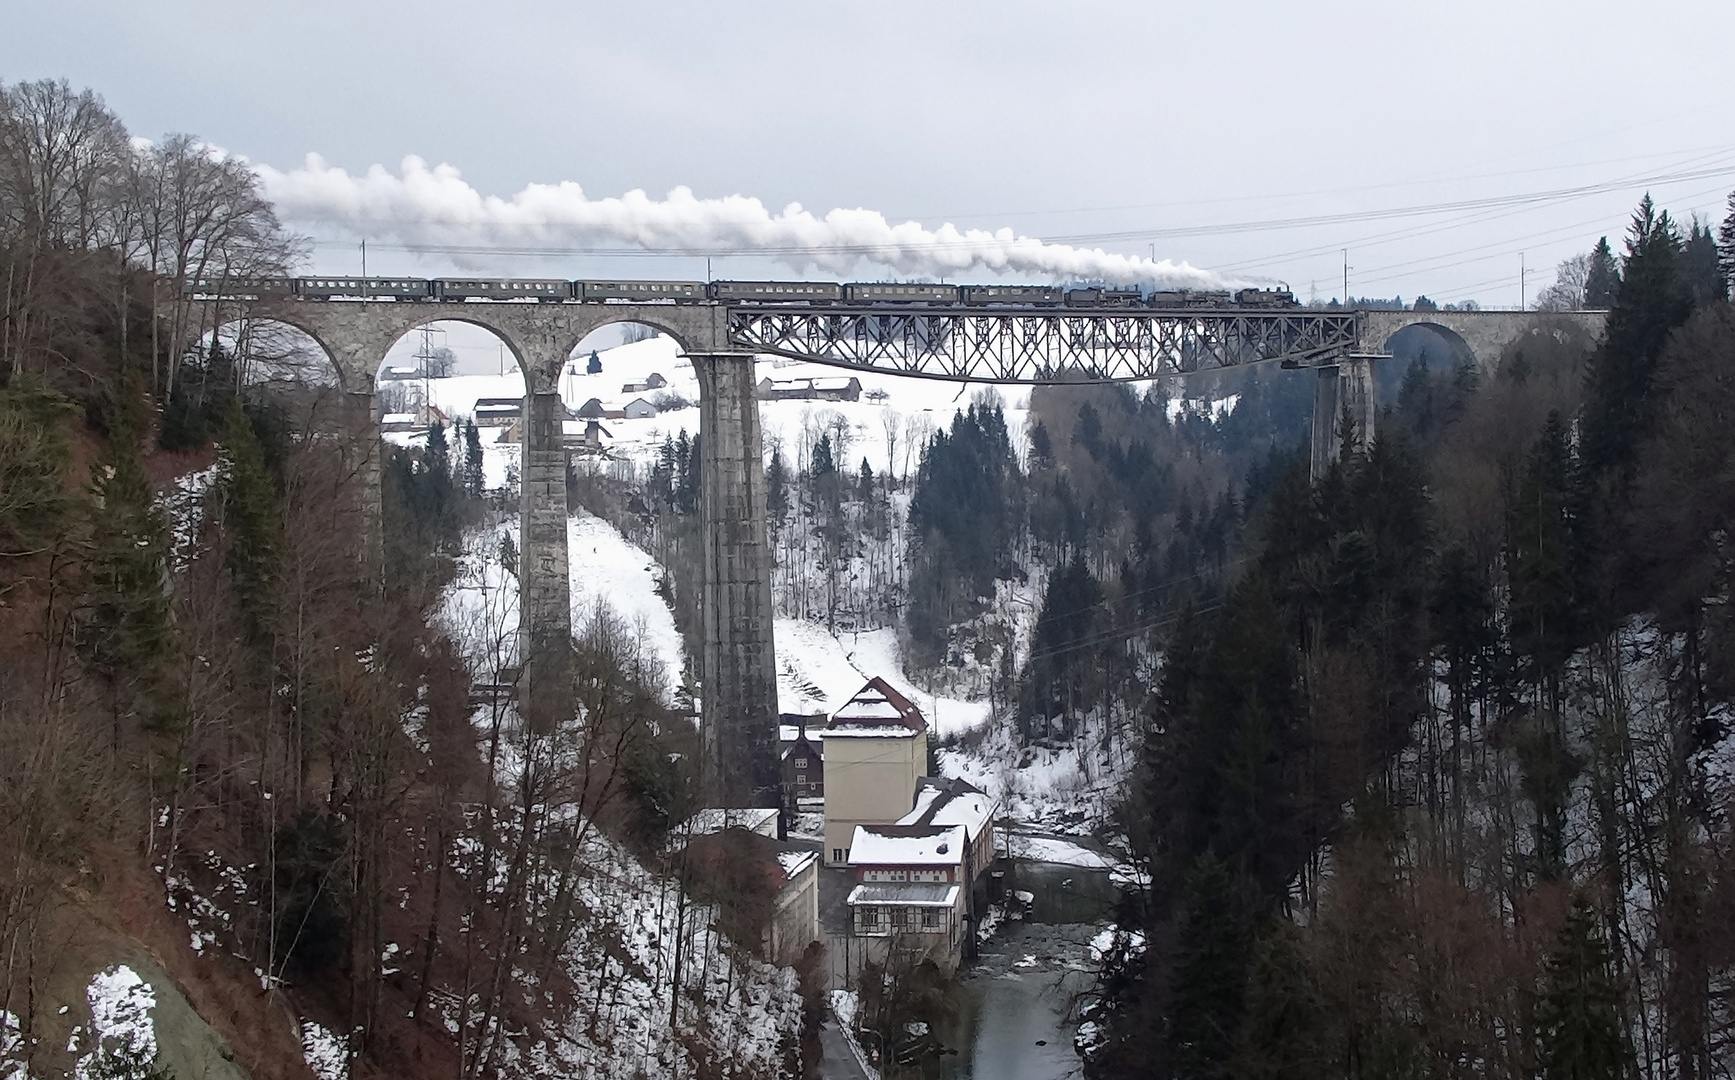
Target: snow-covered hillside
[605,569]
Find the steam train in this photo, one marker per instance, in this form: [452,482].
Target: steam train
[855,294]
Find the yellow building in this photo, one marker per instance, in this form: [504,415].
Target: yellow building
[876,751]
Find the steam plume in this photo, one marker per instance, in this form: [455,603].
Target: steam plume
[434,210]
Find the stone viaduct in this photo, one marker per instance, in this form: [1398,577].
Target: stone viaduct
[737,668]
[1344,392]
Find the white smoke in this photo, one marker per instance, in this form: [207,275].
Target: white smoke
[434,210]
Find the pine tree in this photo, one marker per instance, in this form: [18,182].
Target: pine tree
[1060,653]
[1653,299]
[1578,1018]
[1210,972]
[124,628]
[1701,265]
[1041,446]
[251,529]
[1540,561]
[1285,1033]
[776,487]
[1726,243]
[1603,280]
[865,483]
[473,475]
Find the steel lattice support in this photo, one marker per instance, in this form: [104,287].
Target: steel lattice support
[1037,345]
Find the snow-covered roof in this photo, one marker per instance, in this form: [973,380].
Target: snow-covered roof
[876,711]
[947,801]
[716,819]
[794,862]
[398,418]
[907,845]
[792,732]
[917,894]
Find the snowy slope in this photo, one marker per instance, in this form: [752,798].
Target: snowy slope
[606,568]
[817,672]
[480,611]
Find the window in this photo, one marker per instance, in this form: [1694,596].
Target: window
[801,763]
[933,919]
[900,918]
[836,854]
[800,779]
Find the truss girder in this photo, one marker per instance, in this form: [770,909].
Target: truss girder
[1037,345]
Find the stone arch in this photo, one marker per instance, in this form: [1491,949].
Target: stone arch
[1485,334]
[220,323]
[455,315]
[1443,347]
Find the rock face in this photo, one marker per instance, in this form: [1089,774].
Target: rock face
[94,972]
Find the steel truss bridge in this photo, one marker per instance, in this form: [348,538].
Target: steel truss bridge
[1018,344]
[1032,345]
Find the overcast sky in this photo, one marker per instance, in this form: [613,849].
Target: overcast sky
[1118,125]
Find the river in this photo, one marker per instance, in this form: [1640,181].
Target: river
[1014,1002]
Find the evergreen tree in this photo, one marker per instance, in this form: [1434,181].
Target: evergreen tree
[1578,1018]
[1061,658]
[1041,446]
[965,515]
[685,495]
[865,483]
[1701,265]
[1540,563]
[473,474]
[1211,961]
[1286,1032]
[34,458]
[1726,244]
[826,480]
[251,527]
[823,465]
[124,628]
[1603,279]
[1653,299]
[663,474]
[776,487]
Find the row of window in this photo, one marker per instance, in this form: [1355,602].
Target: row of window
[940,875]
[902,918]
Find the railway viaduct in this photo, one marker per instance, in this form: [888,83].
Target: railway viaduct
[1345,388]
[737,669]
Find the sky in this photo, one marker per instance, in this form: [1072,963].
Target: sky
[1432,148]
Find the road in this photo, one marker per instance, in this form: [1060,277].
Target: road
[839,1061]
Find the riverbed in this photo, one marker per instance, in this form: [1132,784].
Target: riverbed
[1015,1003]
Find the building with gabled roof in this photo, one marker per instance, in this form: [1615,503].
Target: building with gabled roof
[911,892]
[802,756]
[876,749]
[947,801]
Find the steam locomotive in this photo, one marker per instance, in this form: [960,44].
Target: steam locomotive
[854,294]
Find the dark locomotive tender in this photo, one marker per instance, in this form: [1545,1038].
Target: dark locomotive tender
[539,290]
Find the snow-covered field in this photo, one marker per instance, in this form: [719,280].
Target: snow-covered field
[918,405]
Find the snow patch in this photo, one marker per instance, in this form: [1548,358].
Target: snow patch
[123,1035]
[324,1052]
